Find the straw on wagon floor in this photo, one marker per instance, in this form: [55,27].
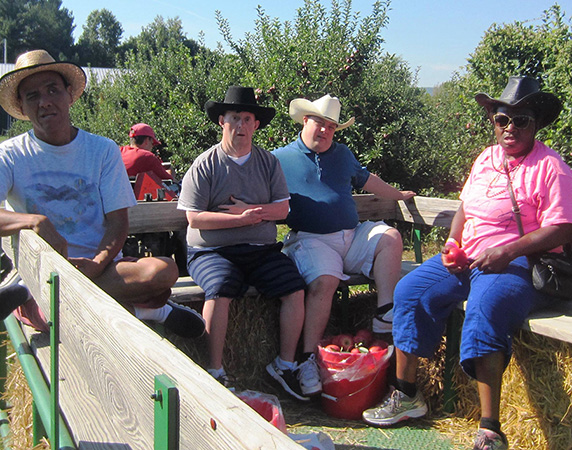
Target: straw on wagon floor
[536,405]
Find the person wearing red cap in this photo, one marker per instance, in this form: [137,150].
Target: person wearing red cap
[138,157]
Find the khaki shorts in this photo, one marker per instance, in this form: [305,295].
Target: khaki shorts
[337,254]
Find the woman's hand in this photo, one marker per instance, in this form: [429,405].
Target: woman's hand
[493,260]
[451,259]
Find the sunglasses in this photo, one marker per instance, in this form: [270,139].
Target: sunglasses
[502,121]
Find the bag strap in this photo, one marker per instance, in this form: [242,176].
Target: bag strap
[516,210]
[515,207]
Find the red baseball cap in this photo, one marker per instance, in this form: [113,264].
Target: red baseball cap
[142,129]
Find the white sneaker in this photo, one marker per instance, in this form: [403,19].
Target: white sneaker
[309,377]
[395,407]
[383,320]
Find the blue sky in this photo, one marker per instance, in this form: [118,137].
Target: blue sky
[435,37]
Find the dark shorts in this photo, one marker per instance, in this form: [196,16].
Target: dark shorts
[229,271]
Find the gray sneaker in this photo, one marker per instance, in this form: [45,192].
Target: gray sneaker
[489,440]
[395,407]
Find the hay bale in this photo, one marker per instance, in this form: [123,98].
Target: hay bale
[536,401]
[19,398]
[536,405]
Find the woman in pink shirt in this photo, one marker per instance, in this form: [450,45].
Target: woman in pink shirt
[495,277]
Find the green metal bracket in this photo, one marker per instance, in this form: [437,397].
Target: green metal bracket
[3,363]
[417,244]
[36,381]
[38,430]
[167,418]
[55,358]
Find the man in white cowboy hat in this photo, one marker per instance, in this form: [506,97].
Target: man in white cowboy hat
[233,194]
[327,241]
[71,188]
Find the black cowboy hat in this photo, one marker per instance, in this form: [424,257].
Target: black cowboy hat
[524,92]
[239,99]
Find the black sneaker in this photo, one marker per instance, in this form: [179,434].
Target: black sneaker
[11,297]
[288,379]
[184,321]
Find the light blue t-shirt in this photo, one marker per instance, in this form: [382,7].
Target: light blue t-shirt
[74,185]
[320,186]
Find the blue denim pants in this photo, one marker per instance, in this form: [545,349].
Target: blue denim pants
[497,305]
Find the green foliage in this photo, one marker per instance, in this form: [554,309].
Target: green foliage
[319,53]
[32,24]
[167,92]
[543,52]
[100,39]
[411,139]
[156,36]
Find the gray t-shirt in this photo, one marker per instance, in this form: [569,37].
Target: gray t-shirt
[214,177]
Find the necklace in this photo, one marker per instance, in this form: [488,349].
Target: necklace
[493,190]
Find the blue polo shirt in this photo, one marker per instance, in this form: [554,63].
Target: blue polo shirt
[320,186]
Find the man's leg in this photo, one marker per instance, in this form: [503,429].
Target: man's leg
[387,265]
[222,281]
[215,312]
[318,307]
[145,282]
[144,287]
[386,273]
[291,323]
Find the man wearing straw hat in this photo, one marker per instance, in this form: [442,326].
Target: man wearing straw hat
[233,194]
[71,188]
[327,241]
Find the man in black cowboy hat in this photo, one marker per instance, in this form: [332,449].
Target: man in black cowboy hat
[233,194]
[72,189]
[494,277]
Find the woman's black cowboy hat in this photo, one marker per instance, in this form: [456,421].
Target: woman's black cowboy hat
[524,92]
[239,99]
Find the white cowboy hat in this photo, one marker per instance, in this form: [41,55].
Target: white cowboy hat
[326,107]
[33,62]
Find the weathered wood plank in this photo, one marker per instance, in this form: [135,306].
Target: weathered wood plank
[147,217]
[370,207]
[437,212]
[554,322]
[108,363]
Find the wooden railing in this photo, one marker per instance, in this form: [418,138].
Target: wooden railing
[108,361]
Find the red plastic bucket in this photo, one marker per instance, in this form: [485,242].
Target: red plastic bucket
[352,383]
[266,405]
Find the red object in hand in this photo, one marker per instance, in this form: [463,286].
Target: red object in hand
[457,256]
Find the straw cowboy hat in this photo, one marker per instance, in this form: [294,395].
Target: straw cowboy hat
[239,99]
[33,62]
[524,92]
[326,107]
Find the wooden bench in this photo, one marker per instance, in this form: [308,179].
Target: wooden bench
[116,383]
[554,322]
[109,365]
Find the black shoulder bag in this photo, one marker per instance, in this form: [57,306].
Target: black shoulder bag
[551,272]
